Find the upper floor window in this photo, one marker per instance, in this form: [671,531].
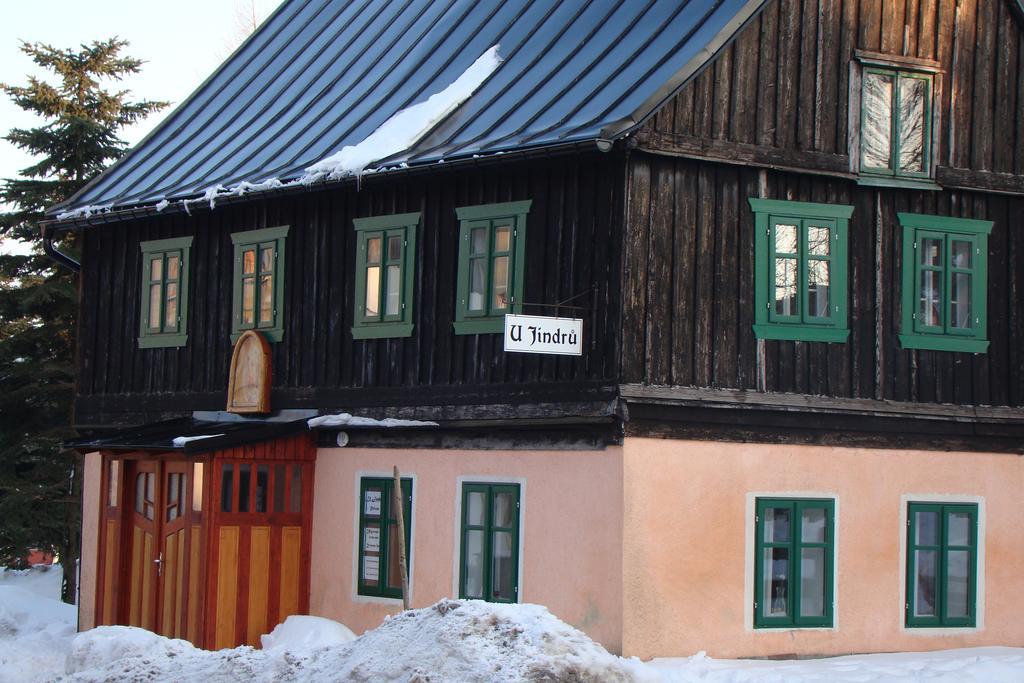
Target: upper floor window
[258,296]
[945,265]
[385,258]
[897,117]
[800,287]
[492,242]
[164,312]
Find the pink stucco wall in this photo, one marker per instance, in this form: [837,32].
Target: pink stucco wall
[571,529]
[90,541]
[687,544]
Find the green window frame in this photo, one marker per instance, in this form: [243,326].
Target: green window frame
[379,573]
[492,242]
[259,282]
[896,123]
[800,270]
[788,593]
[942,565]
[489,542]
[941,257]
[385,258]
[163,308]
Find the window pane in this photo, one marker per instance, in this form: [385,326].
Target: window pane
[957,582]
[227,477]
[156,268]
[961,253]
[958,528]
[154,307]
[931,284]
[812,582]
[478,241]
[785,239]
[924,582]
[197,487]
[776,582]
[477,277]
[172,267]
[266,298]
[502,571]
[370,539]
[266,260]
[243,487]
[504,510]
[140,493]
[249,261]
[931,252]
[394,291]
[172,496]
[776,525]
[150,495]
[876,128]
[785,286]
[474,558]
[295,501]
[394,577]
[500,281]
[373,291]
[248,300]
[262,475]
[394,248]
[279,482]
[818,274]
[113,473]
[817,241]
[812,525]
[502,236]
[913,92]
[475,505]
[171,310]
[373,250]
[960,301]
[926,526]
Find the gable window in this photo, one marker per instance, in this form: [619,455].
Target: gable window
[942,564]
[258,297]
[492,240]
[793,562]
[380,573]
[164,311]
[385,256]
[945,265]
[800,288]
[489,565]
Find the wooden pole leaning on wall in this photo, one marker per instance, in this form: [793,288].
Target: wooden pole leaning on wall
[400,523]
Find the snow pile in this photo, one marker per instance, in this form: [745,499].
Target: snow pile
[300,632]
[349,420]
[403,129]
[180,441]
[105,644]
[35,629]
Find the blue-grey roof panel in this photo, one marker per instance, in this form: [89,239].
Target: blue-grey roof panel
[322,74]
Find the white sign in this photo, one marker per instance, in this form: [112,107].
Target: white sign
[371,571]
[541,334]
[371,540]
[371,503]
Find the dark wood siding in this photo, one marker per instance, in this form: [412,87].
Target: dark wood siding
[688,290]
[573,231]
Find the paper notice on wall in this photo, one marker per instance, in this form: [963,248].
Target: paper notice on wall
[371,540]
[371,568]
[371,503]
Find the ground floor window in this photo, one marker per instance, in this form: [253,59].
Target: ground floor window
[489,563]
[793,561]
[942,564]
[380,573]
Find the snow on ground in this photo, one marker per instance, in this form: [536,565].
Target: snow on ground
[452,640]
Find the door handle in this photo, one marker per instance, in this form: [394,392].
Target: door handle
[159,562]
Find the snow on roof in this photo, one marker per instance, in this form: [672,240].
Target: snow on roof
[349,420]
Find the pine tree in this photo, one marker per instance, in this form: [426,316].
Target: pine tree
[39,481]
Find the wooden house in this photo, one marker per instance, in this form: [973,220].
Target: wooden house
[793,231]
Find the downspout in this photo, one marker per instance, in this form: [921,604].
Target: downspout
[56,256]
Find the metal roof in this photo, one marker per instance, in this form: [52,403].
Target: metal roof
[322,74]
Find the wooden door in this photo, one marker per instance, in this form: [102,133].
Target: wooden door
[142,544]
[171,562]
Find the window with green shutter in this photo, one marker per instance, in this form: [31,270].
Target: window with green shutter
[164,308]
[800,270]
[258,296]
[385,261]
[945,288]
[379,569]
[492,241]
[793,562]
[489,560]
[942,564]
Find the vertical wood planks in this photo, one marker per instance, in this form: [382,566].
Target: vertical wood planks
[227,587]
[259,581]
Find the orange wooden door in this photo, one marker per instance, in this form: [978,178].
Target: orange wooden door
[142,543]
[173,549]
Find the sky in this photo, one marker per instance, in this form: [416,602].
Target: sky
[181,42]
